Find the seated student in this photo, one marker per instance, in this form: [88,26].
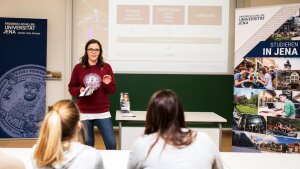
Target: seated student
[58,146]
[289,107]
[168,143]
[7,162]
[239,79]
[265,79]
[252,75]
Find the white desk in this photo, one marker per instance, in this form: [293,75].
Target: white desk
[112,159]
[190,118]
[260,160]
[118,159]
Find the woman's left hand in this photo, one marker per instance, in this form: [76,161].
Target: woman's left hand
[106,79]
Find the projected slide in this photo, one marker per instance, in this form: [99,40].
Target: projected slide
[155,36]
[171,36]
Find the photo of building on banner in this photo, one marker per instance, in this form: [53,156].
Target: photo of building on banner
[266,115]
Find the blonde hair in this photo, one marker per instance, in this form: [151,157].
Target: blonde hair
[58,126]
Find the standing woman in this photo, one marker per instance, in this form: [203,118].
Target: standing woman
[97,76]
[168,143]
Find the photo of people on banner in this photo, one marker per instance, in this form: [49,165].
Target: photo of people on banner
[268,73]
[266,115]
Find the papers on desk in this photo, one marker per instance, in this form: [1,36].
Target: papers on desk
[127,114]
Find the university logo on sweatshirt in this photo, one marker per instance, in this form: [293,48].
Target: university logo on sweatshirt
[92,80]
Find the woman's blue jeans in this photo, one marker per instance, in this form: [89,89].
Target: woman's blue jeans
[106,130]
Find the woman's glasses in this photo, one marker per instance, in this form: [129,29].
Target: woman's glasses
[93,50]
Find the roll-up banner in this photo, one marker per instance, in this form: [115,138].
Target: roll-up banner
[266,115]
[23,44]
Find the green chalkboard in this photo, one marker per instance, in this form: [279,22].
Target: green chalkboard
[210,93]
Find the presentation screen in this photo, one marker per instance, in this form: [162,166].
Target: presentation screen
[151,36]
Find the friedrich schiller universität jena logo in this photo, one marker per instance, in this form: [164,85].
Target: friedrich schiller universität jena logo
[22,100]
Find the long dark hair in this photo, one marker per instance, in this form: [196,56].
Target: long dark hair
[84,58]
[165,116]
[263,70]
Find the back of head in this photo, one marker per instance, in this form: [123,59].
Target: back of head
[165,116]
[164,111]
[59,125]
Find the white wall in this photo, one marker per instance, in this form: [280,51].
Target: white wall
[55,12]
[256,3]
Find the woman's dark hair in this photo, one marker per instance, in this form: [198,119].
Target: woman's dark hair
[84,58]
[263,70]
[165,116]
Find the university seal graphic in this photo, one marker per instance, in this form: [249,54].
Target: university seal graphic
[92,80]
[22,100]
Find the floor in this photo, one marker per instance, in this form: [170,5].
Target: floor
[28,143]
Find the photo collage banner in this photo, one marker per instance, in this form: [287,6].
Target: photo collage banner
[22,76]
[266,114]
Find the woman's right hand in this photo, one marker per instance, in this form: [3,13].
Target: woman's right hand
[81,89]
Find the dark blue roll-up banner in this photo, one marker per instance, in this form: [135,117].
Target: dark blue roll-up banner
[23,46]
